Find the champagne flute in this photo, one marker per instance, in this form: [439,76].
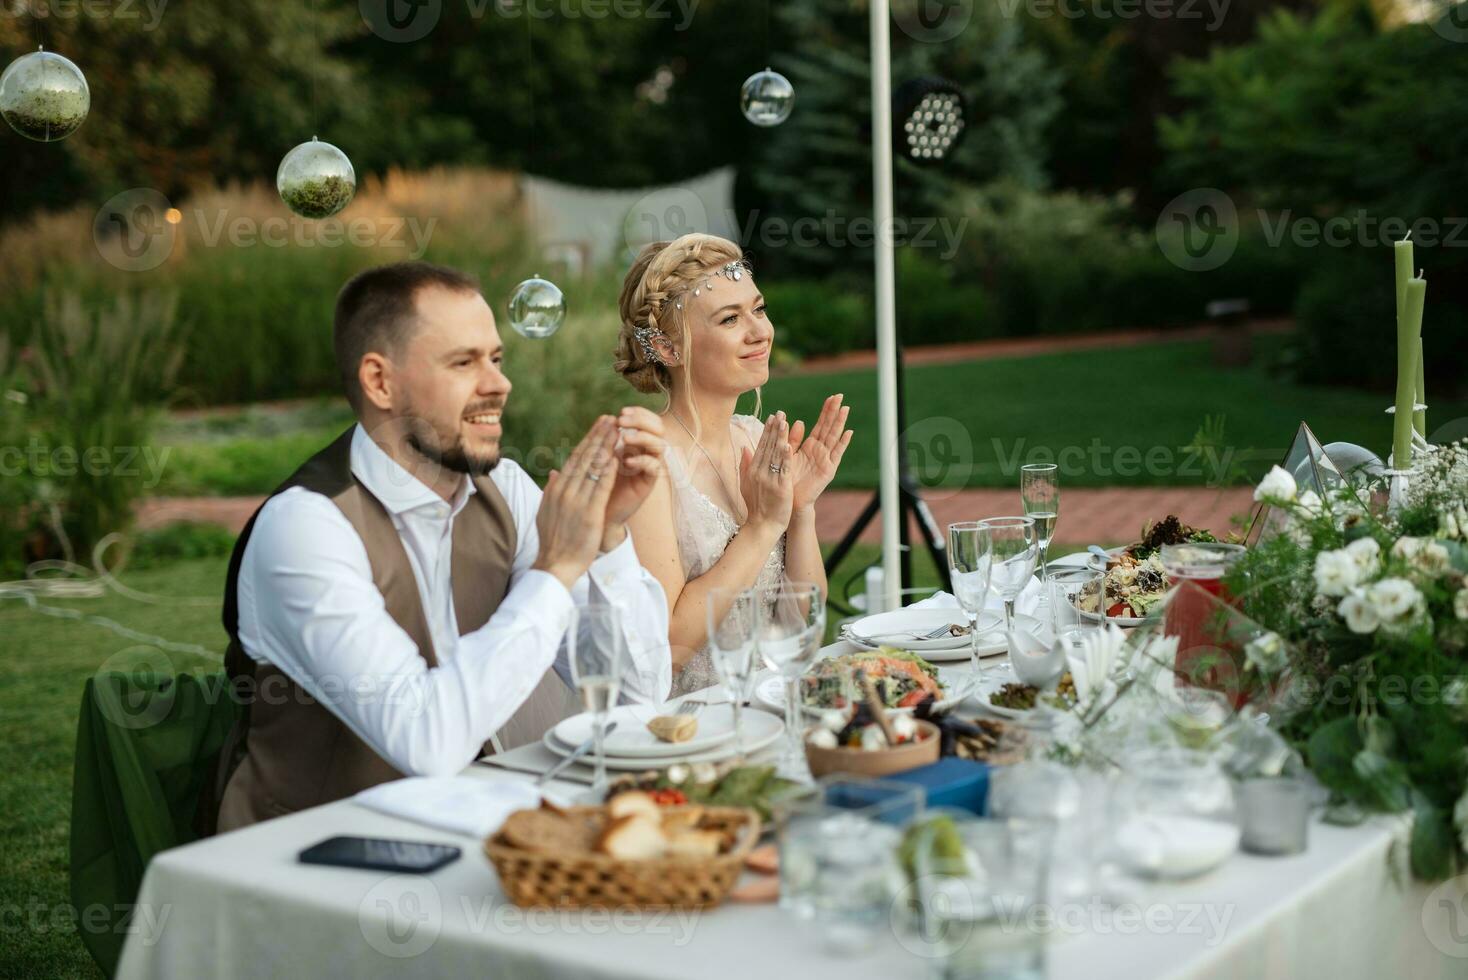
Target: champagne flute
[792,623]
[732,622]
[970,555]
[1039,491]
[599,657]
[1014,548]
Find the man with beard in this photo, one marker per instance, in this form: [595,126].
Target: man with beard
[400,604]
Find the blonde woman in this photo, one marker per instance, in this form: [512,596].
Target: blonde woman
[735,506]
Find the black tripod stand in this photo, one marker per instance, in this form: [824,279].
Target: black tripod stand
[910,502]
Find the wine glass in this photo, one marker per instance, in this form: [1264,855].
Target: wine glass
[969,558]
[1039,491]
[1015,548]
[792,623]
[732,621]
[599,658]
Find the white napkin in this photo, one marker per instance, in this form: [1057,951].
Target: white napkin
[1024,605]
[472,807]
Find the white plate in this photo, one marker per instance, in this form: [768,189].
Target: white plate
[760,730]
[991,684]
[991,644]
[901,627]
[632,740]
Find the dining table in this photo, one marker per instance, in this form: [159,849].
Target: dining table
[242,905]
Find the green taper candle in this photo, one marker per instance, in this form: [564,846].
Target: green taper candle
[1419,417]
[1409,329]
[1403,253]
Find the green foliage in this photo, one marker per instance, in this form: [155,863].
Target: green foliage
[1325,118]
[100,375]
[814,317]
[1378,714]
[18,491]
[180,541]
[819,161]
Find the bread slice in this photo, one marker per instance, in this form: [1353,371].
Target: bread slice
[701,844]
[633,803]
[632,838]
[680,818]
[545,831]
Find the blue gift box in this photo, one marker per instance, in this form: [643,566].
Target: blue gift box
[950,782]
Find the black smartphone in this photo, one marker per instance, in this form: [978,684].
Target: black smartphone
[414,857]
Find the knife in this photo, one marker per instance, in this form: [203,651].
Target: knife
[565,763]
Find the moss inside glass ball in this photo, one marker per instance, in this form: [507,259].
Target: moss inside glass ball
[319,197]
[47,114]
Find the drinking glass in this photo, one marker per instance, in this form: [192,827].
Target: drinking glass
[1177,816]
[1039,491]
[970,559]
[1014,548]
[1071,591]
[978,882]
[838,855]
[732,622]
[599,658]
[791,626]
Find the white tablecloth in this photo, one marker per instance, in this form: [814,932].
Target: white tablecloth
[240,905]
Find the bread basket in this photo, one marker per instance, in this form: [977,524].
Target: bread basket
[533,879]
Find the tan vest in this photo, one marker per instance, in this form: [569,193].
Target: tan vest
[289,752]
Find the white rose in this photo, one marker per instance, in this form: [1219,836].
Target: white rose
[1359,615]
[1366,553]
[1335,573]
[1311,504]
[1424,554]
[1277,487]
[1397,603]
[1267,653]
[1460,604]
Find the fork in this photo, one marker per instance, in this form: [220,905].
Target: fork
[932,634]
[691,707]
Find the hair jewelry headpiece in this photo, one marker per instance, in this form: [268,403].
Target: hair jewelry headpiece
[733,271]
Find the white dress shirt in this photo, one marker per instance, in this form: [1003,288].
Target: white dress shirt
[308,605]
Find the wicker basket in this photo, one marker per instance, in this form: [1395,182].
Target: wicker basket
[533,879]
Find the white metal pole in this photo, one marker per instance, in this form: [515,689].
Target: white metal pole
[886,300]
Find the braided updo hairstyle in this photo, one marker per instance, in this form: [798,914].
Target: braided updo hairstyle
[660,271]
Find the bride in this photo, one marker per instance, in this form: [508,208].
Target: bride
[735,506]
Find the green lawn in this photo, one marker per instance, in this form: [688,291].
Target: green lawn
[1109,417]
[1104,413]
[44,663]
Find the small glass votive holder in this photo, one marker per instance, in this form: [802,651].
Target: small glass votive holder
[838,856]
[1274,815]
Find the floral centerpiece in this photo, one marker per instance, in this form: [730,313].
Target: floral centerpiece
[1362,653]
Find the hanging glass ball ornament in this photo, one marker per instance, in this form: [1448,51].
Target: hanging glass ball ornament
[44,96]
[767,98]
[537,308]
[316,180]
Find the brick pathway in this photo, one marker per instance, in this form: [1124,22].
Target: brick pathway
[1110,515]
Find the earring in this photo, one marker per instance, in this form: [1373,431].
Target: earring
[645,337]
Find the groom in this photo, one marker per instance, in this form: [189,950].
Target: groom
[399,604]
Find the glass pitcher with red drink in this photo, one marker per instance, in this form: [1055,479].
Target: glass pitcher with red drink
[1205,656]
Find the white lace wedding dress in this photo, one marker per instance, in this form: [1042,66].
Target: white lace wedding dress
[704,530]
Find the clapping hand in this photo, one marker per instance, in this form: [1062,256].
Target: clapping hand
[639,455]
[766,476]
[816,457]
[572,517]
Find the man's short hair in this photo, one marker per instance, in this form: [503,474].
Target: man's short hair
[376,311]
